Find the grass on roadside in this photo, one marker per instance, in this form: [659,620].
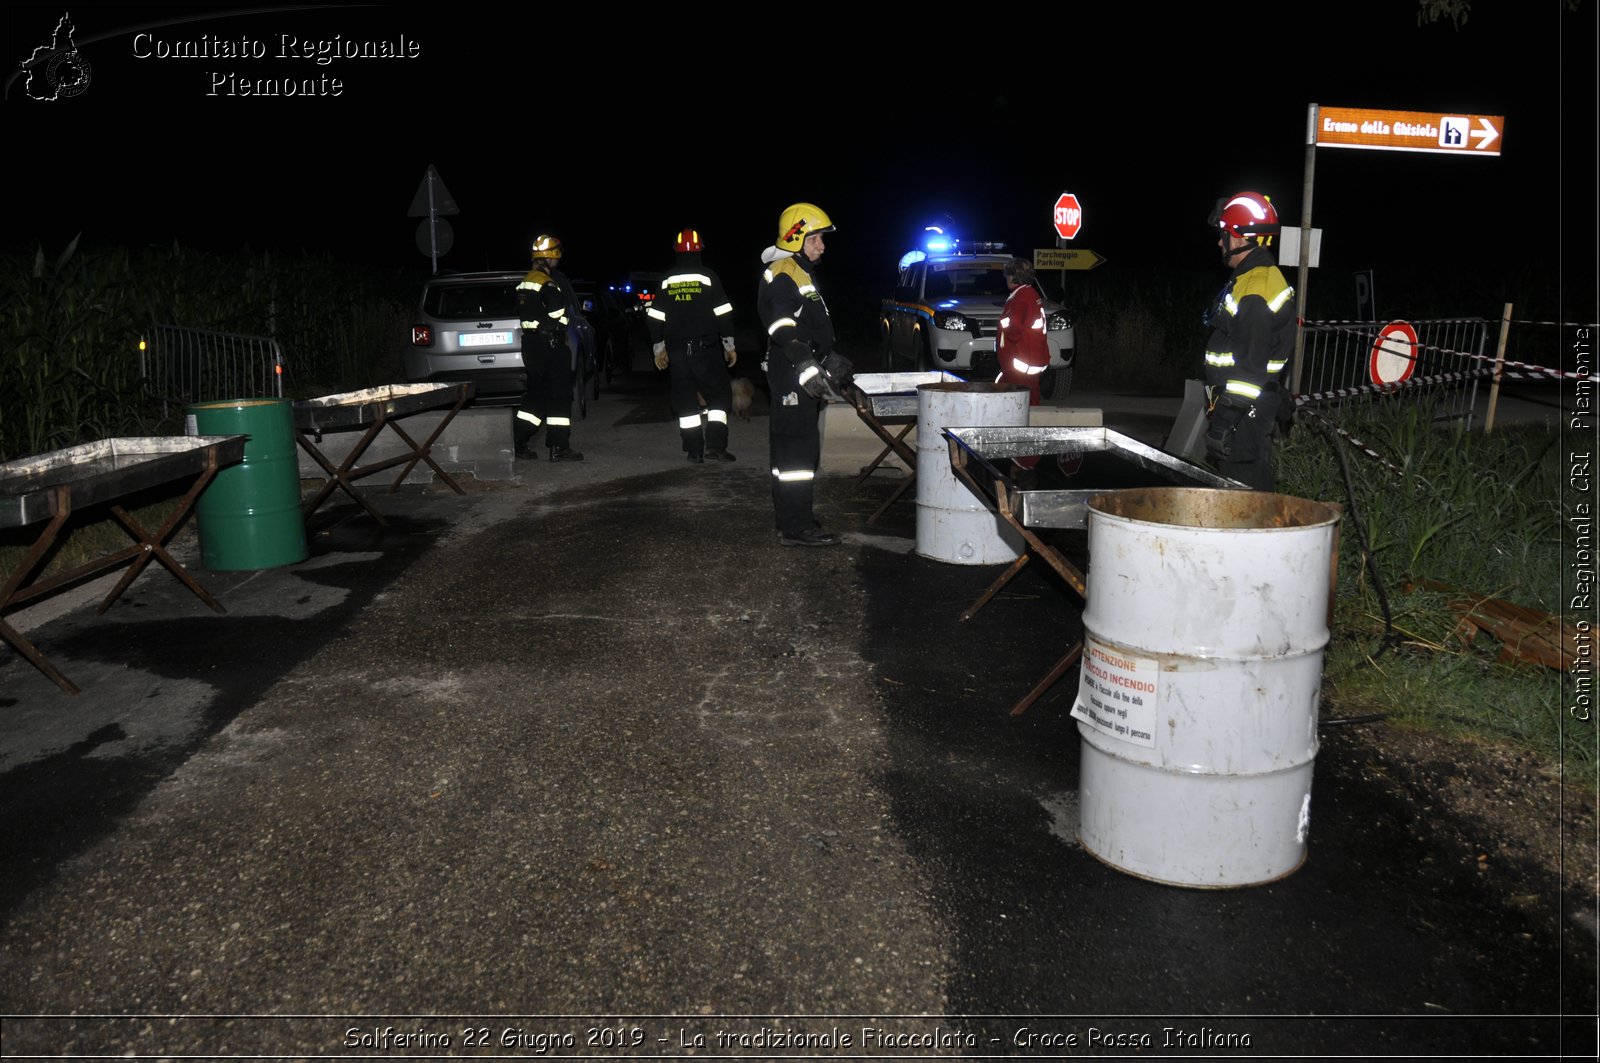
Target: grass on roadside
[1471,511]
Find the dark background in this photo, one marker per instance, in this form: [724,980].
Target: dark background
[612,127]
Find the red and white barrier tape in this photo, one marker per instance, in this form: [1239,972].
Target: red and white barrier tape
[1387,389]
[1366,333]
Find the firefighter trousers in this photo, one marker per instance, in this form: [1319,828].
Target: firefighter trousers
[547,402]
[699,371]
[795,446]
[1251,459]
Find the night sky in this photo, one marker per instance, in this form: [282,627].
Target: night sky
[612,129]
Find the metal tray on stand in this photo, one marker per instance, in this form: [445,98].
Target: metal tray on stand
[371,409]
[1075,465]
[885,399]
[48,488]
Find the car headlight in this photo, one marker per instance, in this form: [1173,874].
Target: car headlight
[1058,321]
[950,321]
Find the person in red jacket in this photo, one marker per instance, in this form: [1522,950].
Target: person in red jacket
[1023,347]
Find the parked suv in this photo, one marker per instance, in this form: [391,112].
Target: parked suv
[945,315]
[467,328]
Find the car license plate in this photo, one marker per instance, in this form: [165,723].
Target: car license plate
[485,339]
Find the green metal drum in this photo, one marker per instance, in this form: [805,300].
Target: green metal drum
[249,516]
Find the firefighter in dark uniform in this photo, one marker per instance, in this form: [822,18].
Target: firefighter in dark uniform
[691,332]
[545,301]
[1252,340]
[799,338]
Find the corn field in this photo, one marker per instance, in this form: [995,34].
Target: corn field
[71,372]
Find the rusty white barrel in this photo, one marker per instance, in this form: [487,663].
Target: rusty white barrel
[1206,619]
[954,524]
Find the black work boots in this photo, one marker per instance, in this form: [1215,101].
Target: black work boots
[808,537]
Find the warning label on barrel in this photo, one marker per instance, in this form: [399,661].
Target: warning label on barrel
[1117,693]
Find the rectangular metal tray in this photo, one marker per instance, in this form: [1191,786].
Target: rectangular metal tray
[102,471]
[1111,461]
[895,394]
[355,409]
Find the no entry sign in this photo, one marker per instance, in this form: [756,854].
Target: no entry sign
[1394,354]
[1067,216]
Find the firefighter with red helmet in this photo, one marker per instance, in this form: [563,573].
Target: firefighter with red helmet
[544,301]
[799,341]
[691,333]
[1252,340]
[1023,345]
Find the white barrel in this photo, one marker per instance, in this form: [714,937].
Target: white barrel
[1206,619]
[953,524]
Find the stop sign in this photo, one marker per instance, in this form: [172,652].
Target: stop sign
[1068,216]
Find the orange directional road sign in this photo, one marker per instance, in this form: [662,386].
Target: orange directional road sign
[1435,131]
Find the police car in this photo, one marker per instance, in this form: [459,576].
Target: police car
[945,315]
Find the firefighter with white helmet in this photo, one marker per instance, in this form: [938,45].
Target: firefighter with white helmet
[544,301]
[691,333]
[799,354]
[1252,339]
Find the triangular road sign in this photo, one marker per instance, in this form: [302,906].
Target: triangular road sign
[442,203]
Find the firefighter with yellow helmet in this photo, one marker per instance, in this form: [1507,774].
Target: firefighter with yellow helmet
[691,334]
[801,364]
[1252,340]
[544,300]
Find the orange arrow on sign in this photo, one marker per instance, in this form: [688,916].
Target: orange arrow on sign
[1433,131]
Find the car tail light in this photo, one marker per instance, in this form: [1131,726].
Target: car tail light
[421,336]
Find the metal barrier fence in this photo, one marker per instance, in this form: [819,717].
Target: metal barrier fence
[1344,362]
[184,365]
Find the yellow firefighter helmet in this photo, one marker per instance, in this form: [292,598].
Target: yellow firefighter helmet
[798,222]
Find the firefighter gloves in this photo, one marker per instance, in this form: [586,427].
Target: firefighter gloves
[661,355]
[812,381]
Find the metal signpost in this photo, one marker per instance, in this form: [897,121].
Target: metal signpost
[1066,217]
[1376,129]
[434,236]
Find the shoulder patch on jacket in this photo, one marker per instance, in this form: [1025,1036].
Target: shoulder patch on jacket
[537,276]
[1265,281]
[791,269]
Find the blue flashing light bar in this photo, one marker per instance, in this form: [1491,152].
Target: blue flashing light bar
[936,241]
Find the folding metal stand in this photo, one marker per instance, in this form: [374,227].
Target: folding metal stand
[49,487]
[883,400]
[373,409]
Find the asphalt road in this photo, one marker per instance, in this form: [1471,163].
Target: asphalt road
[586,764]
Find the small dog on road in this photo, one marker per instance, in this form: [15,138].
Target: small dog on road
[744,392]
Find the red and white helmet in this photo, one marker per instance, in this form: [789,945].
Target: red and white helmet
[688,240]
[1248,214]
